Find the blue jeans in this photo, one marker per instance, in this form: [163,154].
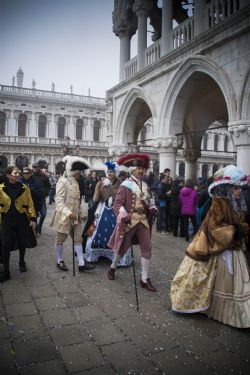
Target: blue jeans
[43,213]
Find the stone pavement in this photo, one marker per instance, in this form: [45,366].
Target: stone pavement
[54,323]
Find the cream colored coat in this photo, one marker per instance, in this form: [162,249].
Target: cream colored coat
[67,201]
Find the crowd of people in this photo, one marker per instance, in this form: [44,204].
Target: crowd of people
[106,215]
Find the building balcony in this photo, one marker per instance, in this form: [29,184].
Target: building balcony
[37,141]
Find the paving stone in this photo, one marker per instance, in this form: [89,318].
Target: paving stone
[48,368]
[4,332]
[145,335]
[119,308]
[66,286]
[76,299]
[43,291]
[6,355]
[126,358]
[13,287]
[177,361]
[21,309]
[26,327]
[225,362]
[194,341]
[49,303]
[67,335]
[81,356]
[17,298]
[88,313]
[104,370]
[59,317]
[33,351]
[105,332]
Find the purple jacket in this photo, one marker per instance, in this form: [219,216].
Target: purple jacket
[188,200]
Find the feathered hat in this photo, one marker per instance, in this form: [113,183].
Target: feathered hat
[111,166]
[230,175]
[75,163]
[134,160]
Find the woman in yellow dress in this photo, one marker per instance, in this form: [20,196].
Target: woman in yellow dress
[213,278]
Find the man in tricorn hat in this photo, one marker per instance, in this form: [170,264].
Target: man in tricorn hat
[69,213]
[134,210]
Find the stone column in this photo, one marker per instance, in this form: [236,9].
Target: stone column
[167,19]
[200,21]
[33,128]
[124,53]
[52,163]
[89,130]
[52,127]
[124,26]
[71,128]
[167,154]
[240,132]
[142,38]
[191,157]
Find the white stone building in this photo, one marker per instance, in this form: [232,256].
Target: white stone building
[42,126]
[194,74]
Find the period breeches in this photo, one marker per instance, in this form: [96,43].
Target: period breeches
[144,239]
[61,237]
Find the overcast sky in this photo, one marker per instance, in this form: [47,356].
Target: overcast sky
[61,41]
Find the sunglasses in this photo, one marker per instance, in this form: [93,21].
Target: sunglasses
[26,173]
[237,187]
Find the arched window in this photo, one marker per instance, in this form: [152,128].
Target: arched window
[22,122]
[2,123]
[215,168]
[79,128]
[182,170]
[96,133]
[42,122]
[204,171]
[226,143]
[216,140]
[61,128]
[205,138]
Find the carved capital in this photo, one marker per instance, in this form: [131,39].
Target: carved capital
[124,19]
[240,131]
[168,144]
[191,155]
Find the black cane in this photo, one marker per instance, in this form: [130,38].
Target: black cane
[136,293]
[73,249]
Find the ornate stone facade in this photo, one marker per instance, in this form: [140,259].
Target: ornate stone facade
[37,125]
[196,74]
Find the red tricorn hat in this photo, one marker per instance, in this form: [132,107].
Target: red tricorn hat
[134,160]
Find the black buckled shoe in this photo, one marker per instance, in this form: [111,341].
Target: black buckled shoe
[62,266]
[22,267]
[147,285]
[111,273]
[86,267]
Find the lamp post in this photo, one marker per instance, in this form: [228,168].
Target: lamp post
[68,150]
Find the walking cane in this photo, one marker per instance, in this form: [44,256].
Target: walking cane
[136,293]
[73,249]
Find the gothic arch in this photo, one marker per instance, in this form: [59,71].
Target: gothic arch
[244,106]
[136,107]
[199,67]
